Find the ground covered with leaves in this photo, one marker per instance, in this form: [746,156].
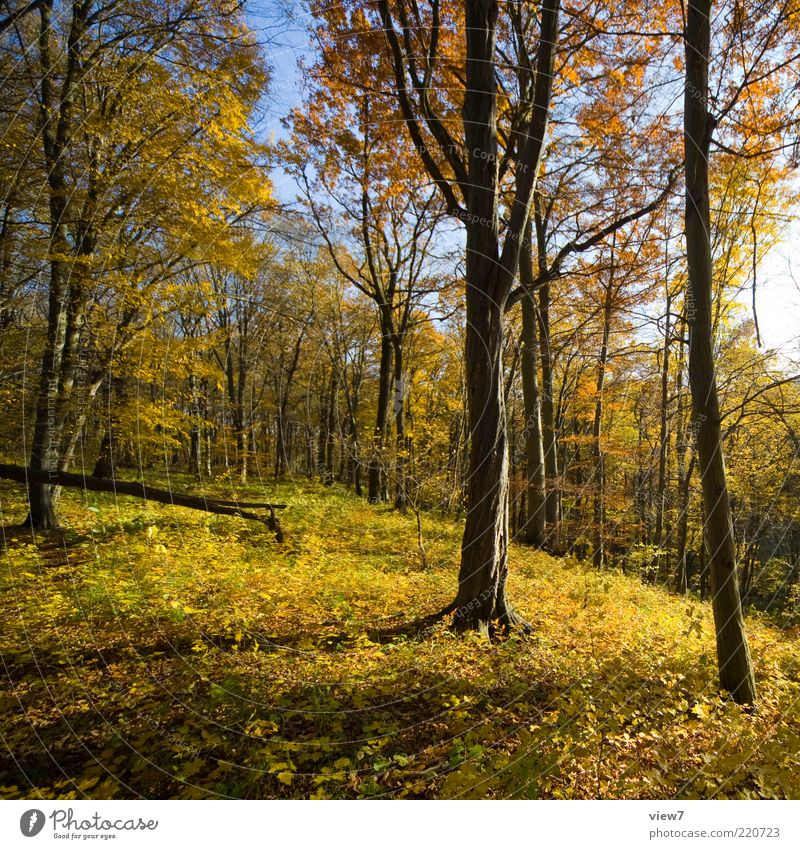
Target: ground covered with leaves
[151,651]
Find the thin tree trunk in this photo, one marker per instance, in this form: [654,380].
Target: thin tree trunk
[375,474]
[549,430]
[330,428]
[598,509]
[534,448]
[401,497]
[684,481]
[663,437]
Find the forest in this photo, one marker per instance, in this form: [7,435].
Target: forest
[400,399]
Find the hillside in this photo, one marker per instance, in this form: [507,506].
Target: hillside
[154,651]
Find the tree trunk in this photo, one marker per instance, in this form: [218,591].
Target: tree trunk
[375,474]
[481,597]
[597,427]
[663,442]
[733,654]
[354,472]
[242,418]
[401,497]
[684,482]
[549,430]
[534,448]
[330,428]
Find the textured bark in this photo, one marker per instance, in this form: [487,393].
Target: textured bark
[663,442]
[534,448]
[598,508]
[398,409]
[733,654]
[482,577]
[375,483]
[484,548]
[684,481]
[549,429]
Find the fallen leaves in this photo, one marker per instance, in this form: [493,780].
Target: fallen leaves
[242,667]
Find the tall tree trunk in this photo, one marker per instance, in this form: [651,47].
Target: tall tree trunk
[490,272]
[482,577]
[597,427]
[481,596]
[684,479]
[534,448]
[663,436]
[663,441]
[399,402]
[733,654]
[375,474]
[330,428]
[549,430]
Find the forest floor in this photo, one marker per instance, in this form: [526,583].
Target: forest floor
[160,652]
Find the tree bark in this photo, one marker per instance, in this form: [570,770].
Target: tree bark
[663,442]
[598,508]
[399,406]
[534,448]
[375,473]
[549,430]
[481,597]
[330,427]
[684,479]
[733,654]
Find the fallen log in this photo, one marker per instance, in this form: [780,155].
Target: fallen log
[136,489]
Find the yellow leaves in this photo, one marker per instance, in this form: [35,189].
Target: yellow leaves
[283,772]
[618,704]
[191,768]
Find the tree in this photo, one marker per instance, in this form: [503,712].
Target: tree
[733,653]
[474,195]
